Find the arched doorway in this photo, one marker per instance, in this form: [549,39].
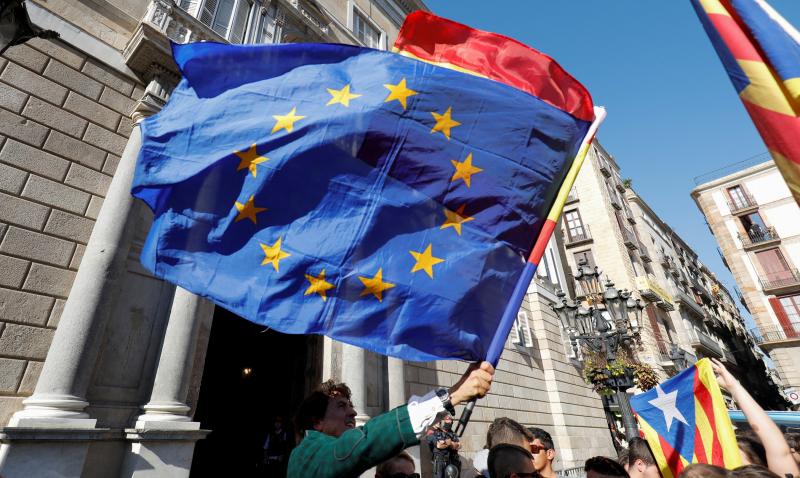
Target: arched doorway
[252,374]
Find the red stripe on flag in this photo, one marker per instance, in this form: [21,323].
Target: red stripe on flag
[500,58]
[704,398]
[541,242]
[673,457]
[735,38]
[699,447]
[780,132]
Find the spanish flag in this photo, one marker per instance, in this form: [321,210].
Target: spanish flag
[685,421]
[760,50]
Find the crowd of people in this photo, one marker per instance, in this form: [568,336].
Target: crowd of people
[330,444]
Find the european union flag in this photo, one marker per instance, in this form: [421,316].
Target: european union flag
[329,189]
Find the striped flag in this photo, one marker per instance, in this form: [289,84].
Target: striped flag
[760,51]
[685,421]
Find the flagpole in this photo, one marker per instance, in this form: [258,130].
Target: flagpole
[515,302]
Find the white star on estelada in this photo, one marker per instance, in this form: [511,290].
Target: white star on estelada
[666,403]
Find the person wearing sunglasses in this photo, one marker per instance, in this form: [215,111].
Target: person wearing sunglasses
[511,461]
[400,466]
[543,451]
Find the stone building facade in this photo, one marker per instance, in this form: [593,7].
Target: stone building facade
[107,371]
[689,314]
[757,226]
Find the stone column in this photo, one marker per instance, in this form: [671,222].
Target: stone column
[397,382]
[353,360]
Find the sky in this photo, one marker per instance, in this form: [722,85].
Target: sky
[673,114]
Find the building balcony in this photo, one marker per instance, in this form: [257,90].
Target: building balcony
[665,260]
[669,353]
[769,337]
[703,343]
[629,238]
[644,254]
[614,202]
[651,291]
[605,169]
[688,302]
[576,239]
[744,205]
[756,239]
[701,290]
[787,281]
[620,187]
[572,196]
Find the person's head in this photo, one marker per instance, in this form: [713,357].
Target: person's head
[622,458]
[602,467]
[399,466]
[793,440]
[641,463]
[751,449]
[543,449]
[703,470]
[327,410]
[752,471]
[505,430]
[511,461]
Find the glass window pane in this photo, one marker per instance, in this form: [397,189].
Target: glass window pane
[222,18]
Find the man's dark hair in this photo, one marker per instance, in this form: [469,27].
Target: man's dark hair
[505,459]
[753,471]
[543,437]
[315,405]
[753,449]
[604,467]
[506,430]
[622,458]
[383,470]
[793,440]
[638,449]
[704,470]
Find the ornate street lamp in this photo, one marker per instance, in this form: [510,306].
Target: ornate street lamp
[612,318]
[678,357]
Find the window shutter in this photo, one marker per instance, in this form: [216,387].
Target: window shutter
[239,21]
[526,338]
[514,335]
[783,318]
[207,14]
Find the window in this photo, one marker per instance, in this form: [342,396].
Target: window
[267,31]
[575,229]
[365,32]
[753,225]
[739,198]
[774,265]
[521,332]
[227,17]
[584,256]
[791,305]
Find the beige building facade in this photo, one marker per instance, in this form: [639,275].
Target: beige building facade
[108,371]
[757,226]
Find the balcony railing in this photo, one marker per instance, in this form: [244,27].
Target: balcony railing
[759,237]
[573,238]
[644,254]
[605,169]
[788,280]
[776,333]
[572,196]
[742,204]
[703,341]
[629,238]
[690,304]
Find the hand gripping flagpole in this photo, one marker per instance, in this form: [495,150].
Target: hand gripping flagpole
[515,302]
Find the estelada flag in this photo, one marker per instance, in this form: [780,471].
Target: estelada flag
[380,200]
[685,421]
[760,50]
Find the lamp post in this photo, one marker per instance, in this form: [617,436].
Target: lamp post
[610,319]
[678,357]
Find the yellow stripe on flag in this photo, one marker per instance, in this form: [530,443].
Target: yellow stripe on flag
[655,446]
[765,89]
[569,181]
[790,171]
[714,7]
[706,432]
[722,421]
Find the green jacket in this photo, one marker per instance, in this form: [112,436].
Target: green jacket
[355,451]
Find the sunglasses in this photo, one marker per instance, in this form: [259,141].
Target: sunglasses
[403,475]
[536,448]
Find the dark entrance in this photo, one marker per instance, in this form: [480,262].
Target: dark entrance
[251,375]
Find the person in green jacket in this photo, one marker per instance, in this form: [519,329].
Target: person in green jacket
[332,445]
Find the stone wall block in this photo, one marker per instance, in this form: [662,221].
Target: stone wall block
[77,256]
[30,378]
[26,342]
[27,57]
[24,213]
[11,371]
[75,149]
[111,163]
[37,246]
[125,127]
[12,271]
[117,102]
[11,98]
[54,117]
[87,179]
[138,92]
[69,226]
[23,129]
[105,139]
[57,49]
[94,207]
[33,83]
[23,307]
[56,194]
[33,160]
[49,280]
[91,110]
[106,76]
[11,179]
[55,313]
[73,79]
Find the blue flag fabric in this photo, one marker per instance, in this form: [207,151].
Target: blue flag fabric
[330,189]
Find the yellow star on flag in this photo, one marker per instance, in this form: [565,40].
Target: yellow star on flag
[464,170]
[248,210]
[249,159]
[399,92]
[425,261]
[444,122]
[342,96]
[455,219]
[273,254]
[286,121]
[318,285]
[375,285]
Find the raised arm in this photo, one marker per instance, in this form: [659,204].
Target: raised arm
[779,455]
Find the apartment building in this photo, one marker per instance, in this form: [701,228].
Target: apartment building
[757,226]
